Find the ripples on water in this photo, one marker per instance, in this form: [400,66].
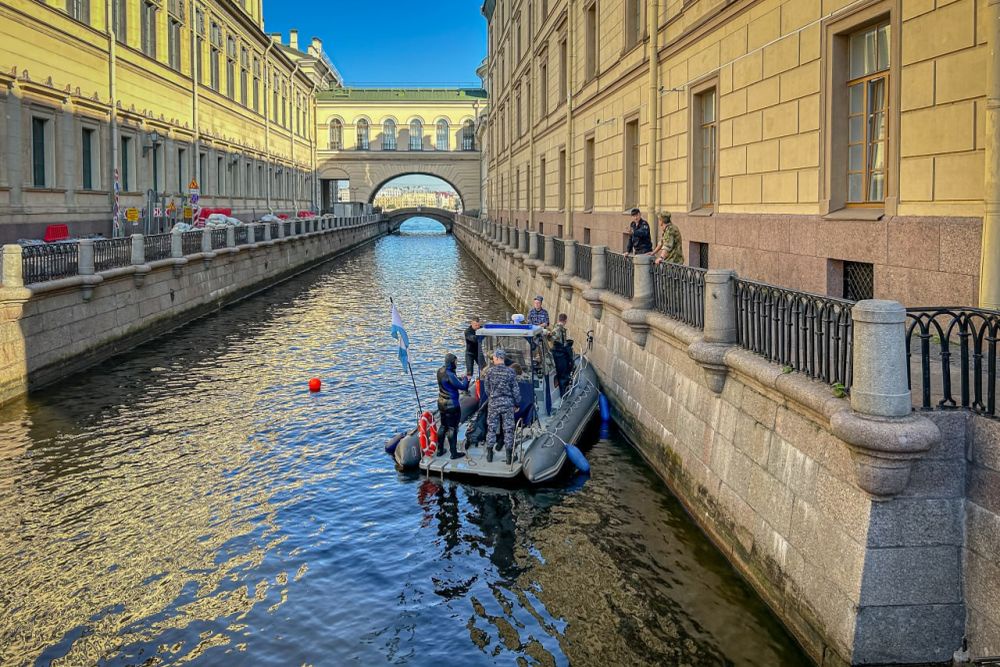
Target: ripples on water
[192,502]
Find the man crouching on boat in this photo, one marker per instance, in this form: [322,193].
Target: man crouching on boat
[449,405]
[501,387]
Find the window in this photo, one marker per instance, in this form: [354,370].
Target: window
[284,105]
[389,135]
[181,170]
[203,172]
[174,44]
[79,10]
[589,165]
[231,68]
[541,184]
[705,150]
[199,59]
[214,54]
[126,160]
[362,135]
[416,135]
[868,92]
[590,39]
[256,84]
[249,179]
[562,179]
[274,98]
[260,179]
[155,183]
[469,136]
[87,158]
[39,150]
[633,22]
[859,281]
[148,24]
[631,194]
[244,74]
[443,143]
[698,254]
[543,87]
[517,190]
[586,235]
[220,176]
[119,23]
[517,111]
[336,135]
[563,72]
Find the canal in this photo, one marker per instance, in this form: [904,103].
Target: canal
[190,501]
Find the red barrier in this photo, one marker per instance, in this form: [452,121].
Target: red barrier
[56,233]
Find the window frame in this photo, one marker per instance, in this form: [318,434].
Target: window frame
[47,153]
[387,124]
[469,135]
[148,24]
[418,125]
[631,182]
[696,149]
[589,171]
[541,183]
[591,41]
[338,125]
[363,139]
[442,130]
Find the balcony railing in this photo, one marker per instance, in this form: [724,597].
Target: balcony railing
[804,332]
[679,292]
[620,274]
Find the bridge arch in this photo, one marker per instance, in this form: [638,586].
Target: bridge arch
[378,187]
[398,216]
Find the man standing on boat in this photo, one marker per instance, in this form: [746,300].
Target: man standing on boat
[538,315]
[473,355]
[504,395]
[449,405]
[562,353]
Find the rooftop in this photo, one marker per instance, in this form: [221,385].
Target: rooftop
[402,94]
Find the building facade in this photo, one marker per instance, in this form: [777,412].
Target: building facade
[150,95]
[369,136]
[839,147]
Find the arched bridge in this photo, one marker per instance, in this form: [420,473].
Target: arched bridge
[398,216]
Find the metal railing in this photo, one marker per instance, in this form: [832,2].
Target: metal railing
[804,332]
[621,277]
[957,352]
[679,292]
[218,238]
[287,227]
[157,246]
[191,242]
[583,261]
[258,233]
[297,225]
[241,234]
[49,262]
[517,238]
[541,248]
[112,253]
[275,230]
[558,253]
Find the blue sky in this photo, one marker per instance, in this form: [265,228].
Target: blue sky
[391,42]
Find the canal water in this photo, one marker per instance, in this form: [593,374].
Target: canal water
[191,502]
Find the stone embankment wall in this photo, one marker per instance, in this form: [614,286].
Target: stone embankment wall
[847,516]
[51,329]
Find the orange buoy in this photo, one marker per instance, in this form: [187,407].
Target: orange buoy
[315,385]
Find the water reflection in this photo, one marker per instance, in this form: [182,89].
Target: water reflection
[191,501]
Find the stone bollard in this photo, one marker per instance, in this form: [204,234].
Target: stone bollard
[267,231]
[642,282]
[720,307]
[532,245]
[176,243]
[12,267]
[85,259]
[230,236]
[524,241]
[569,258]
[885,436]
[598,281]
[206,242]
[550,248]
[138,249]
[281,229]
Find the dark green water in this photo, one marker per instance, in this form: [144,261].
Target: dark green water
[192,502]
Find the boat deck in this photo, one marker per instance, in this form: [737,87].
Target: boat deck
[473,463]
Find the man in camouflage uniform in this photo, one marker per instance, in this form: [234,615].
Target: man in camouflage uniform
[669,248]
[562,353]
[504,395]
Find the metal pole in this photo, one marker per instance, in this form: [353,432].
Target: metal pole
[989,271]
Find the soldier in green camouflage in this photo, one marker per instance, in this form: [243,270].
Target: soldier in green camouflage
[669,248]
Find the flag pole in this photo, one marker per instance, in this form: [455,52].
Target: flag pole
[416,393]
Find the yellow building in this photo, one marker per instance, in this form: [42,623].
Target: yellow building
[97,90]
[368,136]
[835,146]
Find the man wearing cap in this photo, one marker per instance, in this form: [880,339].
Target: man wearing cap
[504,395]
[538,315]
[669,248]
[640,240]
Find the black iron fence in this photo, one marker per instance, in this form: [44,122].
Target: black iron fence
[298,227]
[803,332]
[517,238]
[620,274]
[218,238]
[258,233]
[157,246]
[49,262]
[287,228]
[241,235]
[679,292]
[583,261]
[956,353]
[541,248]
[191,242]
[559,253]
[275,231]
[112,253]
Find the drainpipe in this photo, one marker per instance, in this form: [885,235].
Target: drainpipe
[291,128]
[267,123]
[570,50]
[989,271]
[654,106]
[113,95]
[531,131]
[195,81]
[312,144]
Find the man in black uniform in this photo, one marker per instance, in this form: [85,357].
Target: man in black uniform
[473,355]
[449,405]
[640,239]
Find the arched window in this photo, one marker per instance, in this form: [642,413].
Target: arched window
[362,135]
[336,135]
[389,135]
[416,135]
[469,136]
[442,135]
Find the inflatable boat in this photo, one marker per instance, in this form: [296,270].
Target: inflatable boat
[548,421]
